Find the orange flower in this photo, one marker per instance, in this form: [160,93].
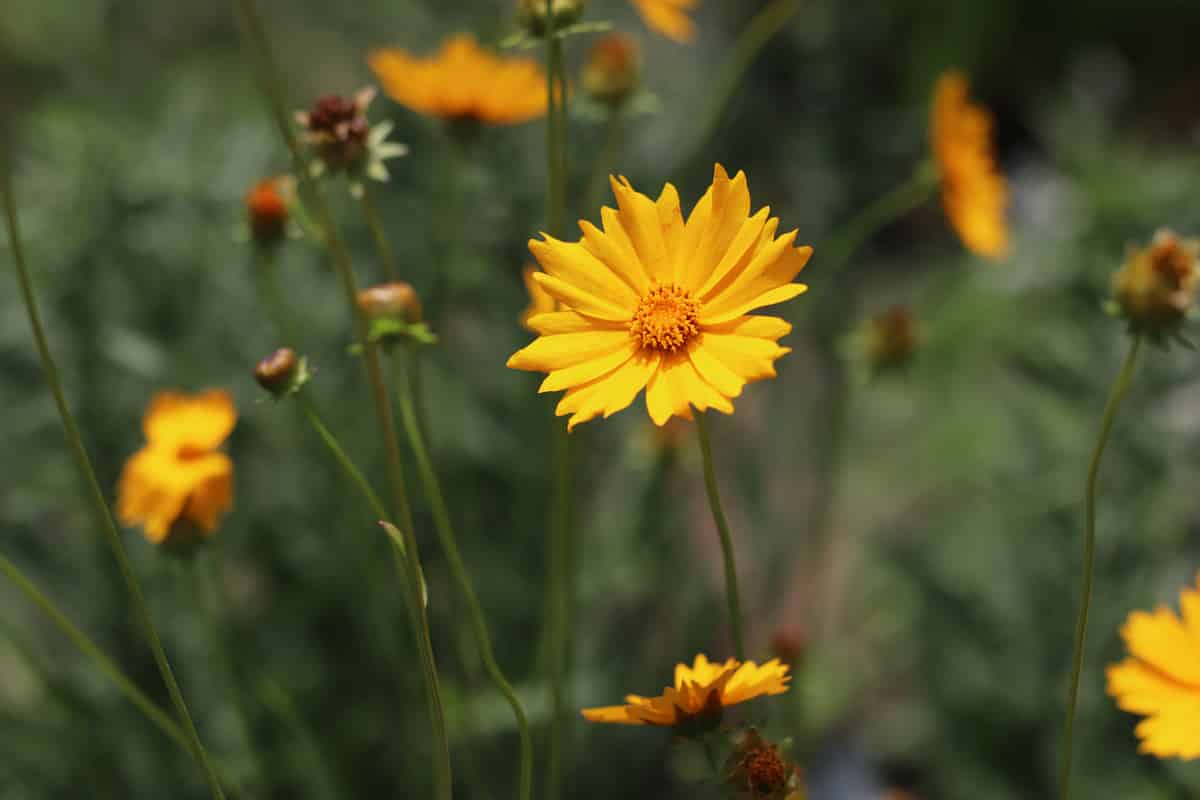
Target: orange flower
[1161,679]
[974,192]
[669,17]
[463,81]
[179,474]
[699,695]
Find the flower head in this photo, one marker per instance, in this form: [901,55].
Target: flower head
[268,206]
[974,192]
[463,81]
[1156,287]
[669,17]
[540,301]
[757,770]
[654,302]
[1161,678]
[699,696]
[179,475]
[337,129]
[611,72]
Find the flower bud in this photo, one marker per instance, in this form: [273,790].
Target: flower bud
[281,372]
[267,208]
[397,301]
[890,339]
[613,67]
[532,14]
[337,128]
[1156,287]
[788,645]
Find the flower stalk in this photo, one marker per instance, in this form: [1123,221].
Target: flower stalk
[1119,389]
[732,594]
[269,74]
[100,504]
[458,569]
[387,256]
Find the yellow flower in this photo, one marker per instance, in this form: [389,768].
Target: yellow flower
[179,475]
[463,81]
[657,303]
[700,693]
[669,17]
[1161,679]
[540,301]
[974,192]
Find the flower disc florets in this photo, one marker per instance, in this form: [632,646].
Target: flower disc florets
[666,319]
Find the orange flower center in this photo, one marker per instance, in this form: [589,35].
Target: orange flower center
[666,319]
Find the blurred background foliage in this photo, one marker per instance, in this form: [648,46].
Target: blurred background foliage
[917,535]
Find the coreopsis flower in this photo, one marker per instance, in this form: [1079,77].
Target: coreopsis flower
[699,696]
[268,207]
[540,301]
[1161,678]
[344,141]
[757,770]
[613,67]
[1156,287]
[658,303]
[668,17]
[179,475]
[974,193]
[463,82]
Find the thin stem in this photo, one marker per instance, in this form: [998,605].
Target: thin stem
[605,160]
[714,501]
[445,533]
[768,22]
[339,454]
[411,561]
[383,246]
[1119,389]
[272,298]
[100,504]
[322,781]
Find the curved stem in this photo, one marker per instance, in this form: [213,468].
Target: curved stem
[445,533]
[383,246]
[1119,389]
[339,454]
[761,29]
[100,504]
[269,74]
[714,500]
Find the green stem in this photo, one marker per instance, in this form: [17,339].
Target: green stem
[84,463]
[322,781]
[448,541]
[269,73]
[383,247]
[882,211]
[339,454]
[1119,389]
[768,22]
[714,500]
[605,161]
[272,298]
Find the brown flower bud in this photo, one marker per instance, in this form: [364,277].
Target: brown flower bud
[337,127]
[533,16]
[267,208]
[397,301]
[788,645]
[277,372]
[612,70]
[891,339]
[1156,287]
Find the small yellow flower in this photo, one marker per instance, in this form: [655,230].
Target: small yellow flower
[1161,679]
[699,695]
[669,17]
[463,82]
[179,474]
[540,301]
[974,192]
[661,304]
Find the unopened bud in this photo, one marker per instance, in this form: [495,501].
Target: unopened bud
[278,372]
[788,645]
[1156,287]
[267,207]
[534,14]
[396,301]
[612,70]
[891,339]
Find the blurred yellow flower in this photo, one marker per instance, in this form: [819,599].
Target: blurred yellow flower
[463,81]
[1161,679]
[179,474]
[540,301]
[699,695]
[1156,287]
[661,304]
[669,17]
[974,192]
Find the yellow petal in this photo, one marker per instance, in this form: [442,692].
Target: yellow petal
[588,370]
[1173,708]
[609,393]
[583,301]
[760,327]
[741,251]
[668,17]
[200,422]
[751,680]
[670,217]
[575,265]
[713,370]
[615,714]
[639,217]
[727,313]
[748,357]
[549,353]
[730,207]
[570,322]
[1162,641]
[616,252]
